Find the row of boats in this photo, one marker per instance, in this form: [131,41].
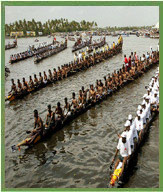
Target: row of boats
[50,49]
[86,100]
[32,51]
[54,50]
[134,134]
[62,73]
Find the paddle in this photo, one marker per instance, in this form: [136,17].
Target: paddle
[111,165]
[14,148]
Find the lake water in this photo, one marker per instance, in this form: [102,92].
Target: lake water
[85,147]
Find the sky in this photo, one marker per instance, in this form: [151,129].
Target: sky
[105,16]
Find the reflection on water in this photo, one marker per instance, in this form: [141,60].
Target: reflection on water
[80,154]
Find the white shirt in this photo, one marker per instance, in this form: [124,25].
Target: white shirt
[133,129]
[143,116]
[80,56]
[130,137]
[124,148]
[148,110]
[139,124]
[155,99]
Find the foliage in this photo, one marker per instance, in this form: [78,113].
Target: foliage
[51,26]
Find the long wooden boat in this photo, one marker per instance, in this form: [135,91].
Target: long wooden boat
[114,182]
[81,45]
[117,50]
[39,50]
[10,46]
[49,53]
[96,46]
[60,124]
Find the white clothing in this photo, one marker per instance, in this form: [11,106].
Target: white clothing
[133,129]
[143,116]
[139,124]
[124,148]
[130,137]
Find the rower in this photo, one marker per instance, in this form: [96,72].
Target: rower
[129,63]
[59,74]
[54,74]
[144,112]
[25,85]
[139,124]
[45,78]
[40,78]
[126,62]
[80,99]
[135,57]
[148,108]
[132,60]
[92,94]
[50,76]
[59,112]
[133,129]
[113,44]
[38,124]
[19,86]
[48,117]
[125,151]
[129,134]
[35,80]
[31,83]
[84,93]
[37,131]
[13,88]
[99,90]
[74,103]
[155,102]
[67,108]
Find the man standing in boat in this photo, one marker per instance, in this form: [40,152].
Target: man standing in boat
[125,151]
[126,62]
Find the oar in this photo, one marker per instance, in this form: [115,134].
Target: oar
[111,165]
[14,148]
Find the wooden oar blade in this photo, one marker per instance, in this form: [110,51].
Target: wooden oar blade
[13,148]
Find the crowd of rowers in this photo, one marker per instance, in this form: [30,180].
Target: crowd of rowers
[82,42]
[32,50]
[89,96]
[52,49]
[135,128]
[79,64]
[96,48]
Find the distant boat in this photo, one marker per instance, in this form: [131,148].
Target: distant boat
[125,34]
[36,40]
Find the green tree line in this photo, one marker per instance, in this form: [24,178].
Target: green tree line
[128,28]
[49,27]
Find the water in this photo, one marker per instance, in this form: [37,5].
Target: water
[80,154]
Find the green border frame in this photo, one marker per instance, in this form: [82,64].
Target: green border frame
[72,3]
